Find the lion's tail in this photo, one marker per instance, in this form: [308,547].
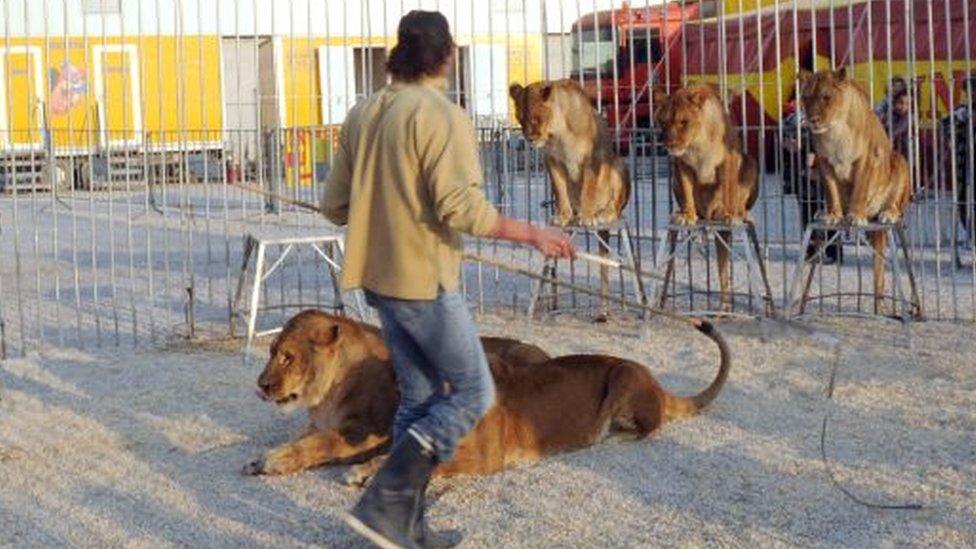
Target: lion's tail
[677,407]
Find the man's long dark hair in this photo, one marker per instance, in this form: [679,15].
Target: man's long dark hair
[424,43]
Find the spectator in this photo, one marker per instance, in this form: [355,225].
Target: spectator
[896,86]
[896,120]
[959,136]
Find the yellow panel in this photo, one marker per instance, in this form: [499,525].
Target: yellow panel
[23,117]
[180,95]
[770,87]
[118,86]
[737,6]
[299,61]
[745,6]
[182,98]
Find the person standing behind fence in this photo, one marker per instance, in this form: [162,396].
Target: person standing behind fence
[959,138]
[896,120]
[406,180]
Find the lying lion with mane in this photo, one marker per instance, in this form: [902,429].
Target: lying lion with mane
[340,370]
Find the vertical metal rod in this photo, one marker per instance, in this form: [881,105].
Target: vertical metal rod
[969,199]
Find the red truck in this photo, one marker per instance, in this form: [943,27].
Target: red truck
[617,53]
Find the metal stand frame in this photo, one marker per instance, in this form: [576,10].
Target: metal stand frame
[328,246]
[706,230]
[806,267]
[627,263]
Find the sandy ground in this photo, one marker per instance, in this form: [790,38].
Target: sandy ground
[144,448]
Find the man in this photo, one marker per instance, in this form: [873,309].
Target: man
[406,179]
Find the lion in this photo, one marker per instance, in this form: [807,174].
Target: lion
[714,179]
[589,180]
[863,176]
[341,372]
[350,409]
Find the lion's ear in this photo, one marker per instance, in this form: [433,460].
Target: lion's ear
[515,91]
[804,76]
[321,337]
[661,102]
[700,95]
[546,92]
[659,96]
[841,73]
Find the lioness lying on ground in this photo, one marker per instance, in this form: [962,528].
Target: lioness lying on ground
[714,179]
[863,176]
[341,372]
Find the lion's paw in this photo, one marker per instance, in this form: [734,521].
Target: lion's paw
[889,217]
[561,220]
[684,219]
[856,220]
[828,218]
[596,220]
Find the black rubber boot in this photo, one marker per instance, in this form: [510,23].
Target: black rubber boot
[388,509]
[424,536]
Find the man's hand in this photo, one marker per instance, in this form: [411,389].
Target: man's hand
[553,243]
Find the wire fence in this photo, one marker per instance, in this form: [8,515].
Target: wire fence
[128,126]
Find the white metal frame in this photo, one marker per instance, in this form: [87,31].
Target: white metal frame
[98,51]
[626,263]
[322,244]
[703,231]
[35,53]
[907,304]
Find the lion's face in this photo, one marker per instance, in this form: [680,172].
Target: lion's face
[534,110]
[304,361]
[683,118]
[822,95]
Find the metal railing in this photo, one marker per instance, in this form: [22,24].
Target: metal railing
[123,136]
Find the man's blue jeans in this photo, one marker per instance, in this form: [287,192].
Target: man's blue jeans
[442,373]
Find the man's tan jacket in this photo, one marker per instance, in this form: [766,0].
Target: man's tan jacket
[407,181]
